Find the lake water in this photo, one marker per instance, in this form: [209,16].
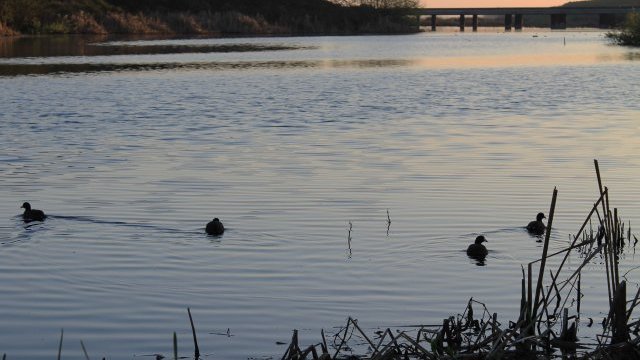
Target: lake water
[131,149]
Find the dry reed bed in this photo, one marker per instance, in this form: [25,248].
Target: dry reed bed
[113,22]
[544,328]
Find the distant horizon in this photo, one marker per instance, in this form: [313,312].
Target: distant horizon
[490,3]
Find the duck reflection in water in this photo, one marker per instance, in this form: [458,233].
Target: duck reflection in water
[477,251]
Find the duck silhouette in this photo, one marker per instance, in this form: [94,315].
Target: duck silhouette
[30,214]
[537,227]
[477,250]
[215,227]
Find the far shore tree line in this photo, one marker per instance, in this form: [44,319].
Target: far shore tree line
[254,17]
[205,16]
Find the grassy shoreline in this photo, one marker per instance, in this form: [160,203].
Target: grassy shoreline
[102,17]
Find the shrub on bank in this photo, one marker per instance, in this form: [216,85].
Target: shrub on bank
[629,35]
[6,31]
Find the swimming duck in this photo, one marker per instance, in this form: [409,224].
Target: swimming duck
[477,250]
[537,227]
[32,214]
[215,227]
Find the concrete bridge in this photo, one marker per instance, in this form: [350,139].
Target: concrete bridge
[514,17]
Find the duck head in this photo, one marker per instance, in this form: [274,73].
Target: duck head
[26,206]
[480,239]
[540,216]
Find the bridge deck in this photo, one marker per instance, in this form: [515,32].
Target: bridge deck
[526,11]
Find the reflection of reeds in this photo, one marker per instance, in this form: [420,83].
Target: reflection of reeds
[544,324]
[349,238]
[388,222]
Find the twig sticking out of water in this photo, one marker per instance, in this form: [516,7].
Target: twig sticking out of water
[388,222]
[60,345]
[579,293]
[295,353]
[195,340]
[325,349]
[175,346]
[349,238]
[293,346]
[84,350]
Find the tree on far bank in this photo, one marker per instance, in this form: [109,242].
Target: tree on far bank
[629,35]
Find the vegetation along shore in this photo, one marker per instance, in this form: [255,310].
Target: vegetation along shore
[246,17]
[208,17]
[629,35]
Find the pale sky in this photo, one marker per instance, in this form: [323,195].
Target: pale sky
[490,3]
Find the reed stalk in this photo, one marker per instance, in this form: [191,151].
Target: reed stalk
[84,350]
[325,349]
[364,335]
[175,346]
[606,233]
[544,252]
[619,312]
[579,293]
[529,291]
[60,345]
[344,339]
[195,339]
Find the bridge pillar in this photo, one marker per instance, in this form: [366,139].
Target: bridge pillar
[507,22]
[433,22]
[606,21]
[519,21]
[462,22]
[475,22]
[559,21]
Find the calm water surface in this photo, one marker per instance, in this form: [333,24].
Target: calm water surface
[287,140]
